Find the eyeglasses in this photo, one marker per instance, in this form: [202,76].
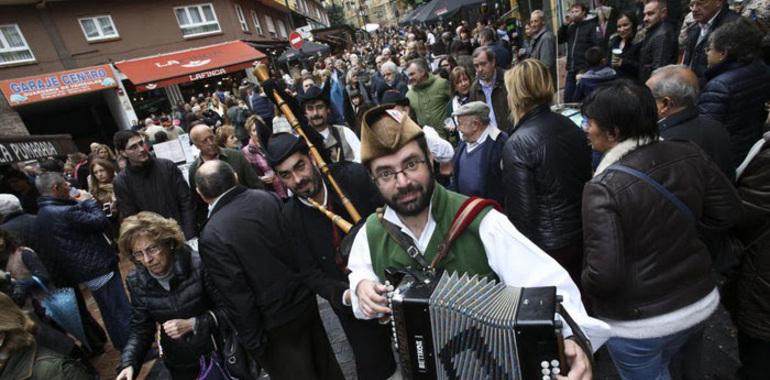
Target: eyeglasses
[152,251]
[389,175]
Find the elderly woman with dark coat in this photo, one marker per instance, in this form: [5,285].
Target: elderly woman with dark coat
[646,271]
[738,84]
[168,288]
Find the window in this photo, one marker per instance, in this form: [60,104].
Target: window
[270,26]
[241,18]
[197,20]
[13,46]
[282,29]
[98,28]
[257,24]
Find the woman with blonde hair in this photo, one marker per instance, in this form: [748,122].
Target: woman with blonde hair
[226,138]
[546,162]
[20,355]
[169,287]
[104,152]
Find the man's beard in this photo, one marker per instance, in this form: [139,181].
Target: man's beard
[315,189]
[416,206]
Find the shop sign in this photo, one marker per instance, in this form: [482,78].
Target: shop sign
[21,91]
[189,65]
[23,148]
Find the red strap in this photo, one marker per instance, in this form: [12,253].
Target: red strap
[464,217]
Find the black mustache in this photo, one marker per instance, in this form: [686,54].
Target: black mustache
[408,189]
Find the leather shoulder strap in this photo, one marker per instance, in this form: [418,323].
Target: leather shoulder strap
[464,217]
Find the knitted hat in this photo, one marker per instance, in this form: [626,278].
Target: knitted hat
[385,131]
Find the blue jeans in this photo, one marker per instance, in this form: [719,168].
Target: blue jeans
[648,359]
[116,311]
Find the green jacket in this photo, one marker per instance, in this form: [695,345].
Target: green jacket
[39,363]
[429,101]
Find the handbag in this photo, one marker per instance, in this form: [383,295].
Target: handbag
[212,368]
[236,361]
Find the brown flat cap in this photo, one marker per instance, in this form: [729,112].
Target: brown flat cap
[384,131]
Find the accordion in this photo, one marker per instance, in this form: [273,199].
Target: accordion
[461,327]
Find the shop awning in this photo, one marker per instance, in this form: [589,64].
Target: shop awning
[24,148]
[190,65]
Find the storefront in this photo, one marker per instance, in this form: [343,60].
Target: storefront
[157,83]
[88,103]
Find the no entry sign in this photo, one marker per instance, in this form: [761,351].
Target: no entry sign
[295,40]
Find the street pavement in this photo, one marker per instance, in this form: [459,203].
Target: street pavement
[719,361]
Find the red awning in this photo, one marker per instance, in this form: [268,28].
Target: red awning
[189,65]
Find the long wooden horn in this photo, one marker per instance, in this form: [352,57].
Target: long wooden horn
[262,74]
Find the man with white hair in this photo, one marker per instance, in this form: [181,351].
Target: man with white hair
[150,128]
[477,170]
[14,220]
[543,41]
[675,88]
[390,79]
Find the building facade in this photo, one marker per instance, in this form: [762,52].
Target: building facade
[42,40]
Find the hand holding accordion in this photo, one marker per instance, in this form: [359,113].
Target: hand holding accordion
[462,327]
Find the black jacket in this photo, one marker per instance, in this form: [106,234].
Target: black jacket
[158,187]
[191,295]
[314,235]
[579,37]
[751,285]
[22,226]
[659,48]
[735,96]
[643,257]
[708,134]
[72,241]
[546,162]
[694,52]
[249,258]
[630,56]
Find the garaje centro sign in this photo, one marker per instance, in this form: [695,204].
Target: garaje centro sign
[21,91]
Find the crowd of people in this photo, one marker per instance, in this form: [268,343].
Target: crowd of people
[646,217]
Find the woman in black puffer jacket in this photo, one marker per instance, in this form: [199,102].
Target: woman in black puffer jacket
[738,86]
[168,288]
[546,162]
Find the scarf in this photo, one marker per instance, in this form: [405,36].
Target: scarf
[256,157]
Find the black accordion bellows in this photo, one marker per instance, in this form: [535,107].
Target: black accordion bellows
[461,327]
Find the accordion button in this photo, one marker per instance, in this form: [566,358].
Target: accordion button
[546,377]
[555,371]
[545,372]
[554,363]
[544,364]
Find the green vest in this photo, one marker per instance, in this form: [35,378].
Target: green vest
[467,254]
